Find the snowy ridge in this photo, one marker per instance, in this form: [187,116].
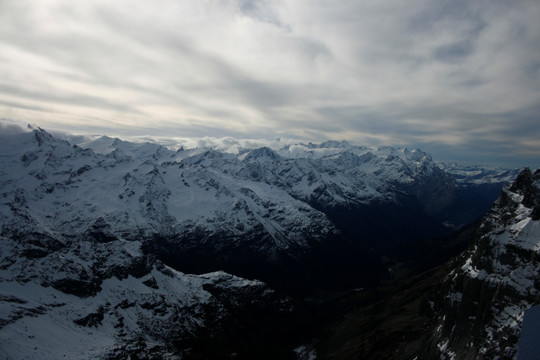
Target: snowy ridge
[476,175]
[107,300]
[65,188]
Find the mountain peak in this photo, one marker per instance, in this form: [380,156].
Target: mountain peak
[343,144]
[527,184]
[41,136]
[262,153]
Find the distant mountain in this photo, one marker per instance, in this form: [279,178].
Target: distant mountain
[477,175]
[477,187]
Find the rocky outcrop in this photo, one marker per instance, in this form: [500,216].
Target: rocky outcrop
[478,309]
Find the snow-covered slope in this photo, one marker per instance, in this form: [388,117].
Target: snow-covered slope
[109,301]
[479,308]
[75,282]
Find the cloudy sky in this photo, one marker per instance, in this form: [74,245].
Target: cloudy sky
[459,79]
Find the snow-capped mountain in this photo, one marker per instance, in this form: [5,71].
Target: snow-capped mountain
[477,187]
[477,175]
[304,212]
[479,308]
[96,240]
[75,282]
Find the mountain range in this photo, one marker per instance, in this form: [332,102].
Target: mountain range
[111,247]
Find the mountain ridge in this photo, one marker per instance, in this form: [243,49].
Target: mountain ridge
[76,224]
[274,204]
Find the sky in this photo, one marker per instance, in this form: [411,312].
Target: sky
[458,79]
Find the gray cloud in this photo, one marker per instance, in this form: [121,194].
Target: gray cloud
[446,76]
[261,10]
[453,52]
[9,128]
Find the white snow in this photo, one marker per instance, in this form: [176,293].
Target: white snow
[446,354]
[306,352]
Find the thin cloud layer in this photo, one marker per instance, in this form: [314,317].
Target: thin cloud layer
[451,77]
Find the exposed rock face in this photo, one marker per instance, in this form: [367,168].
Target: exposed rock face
[479,306]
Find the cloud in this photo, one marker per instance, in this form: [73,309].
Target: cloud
[458,73]
[10,128]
